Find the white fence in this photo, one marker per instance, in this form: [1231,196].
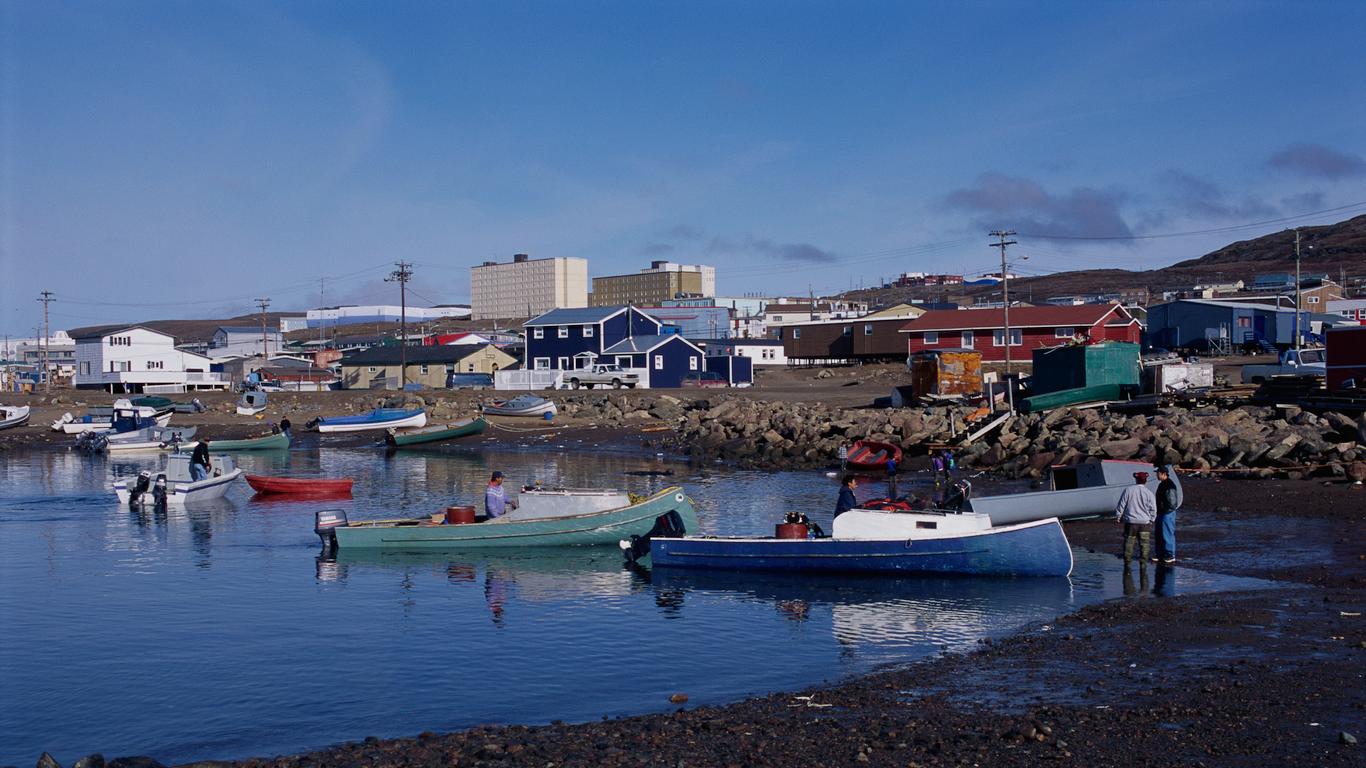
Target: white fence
[163,389]
[528,380]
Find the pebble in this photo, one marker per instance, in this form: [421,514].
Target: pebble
[1347,738]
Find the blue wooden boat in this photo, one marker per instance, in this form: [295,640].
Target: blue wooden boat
[380,418]
[884,541]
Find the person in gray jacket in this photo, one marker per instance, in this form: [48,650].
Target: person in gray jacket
[1137,509]
[1169,498]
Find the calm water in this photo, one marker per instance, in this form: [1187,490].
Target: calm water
[219,632]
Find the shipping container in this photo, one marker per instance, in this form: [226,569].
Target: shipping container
[946,372]
[1074,366]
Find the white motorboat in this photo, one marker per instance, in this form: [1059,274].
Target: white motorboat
[102,419]
[13,416]
[172,485]
[252,403]
[380,418]
[149,439]
[522,405]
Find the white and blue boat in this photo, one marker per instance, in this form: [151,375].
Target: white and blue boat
[380,418]
[891,542]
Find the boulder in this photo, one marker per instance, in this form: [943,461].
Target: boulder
[1356,471]
[1120,449]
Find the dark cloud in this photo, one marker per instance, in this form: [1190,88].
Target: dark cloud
[1317,161]
[1024,205]
[1194,197]
[1303,202]
[689,237]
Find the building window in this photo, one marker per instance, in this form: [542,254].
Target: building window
[1064,333]
[1244,322]
[659,362]
[796,333]
[998,338]
[588,331]
[692,363]
[538,333]
[624,361]
[777,318]
[85,368]
[931,337]
[424,370]
[541,364]
[450,367]
[848,330]
[1311,299]
[968,340]
[371,369]
[868,329]
[562,332]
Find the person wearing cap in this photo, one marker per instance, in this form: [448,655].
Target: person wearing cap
[496,502]
[1137,509]
[1169,498]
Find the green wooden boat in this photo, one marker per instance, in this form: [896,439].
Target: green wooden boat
[400,437]
[608,526]
[275,441]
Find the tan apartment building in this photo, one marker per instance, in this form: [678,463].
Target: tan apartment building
[663,281]
[379,367]
[527,287]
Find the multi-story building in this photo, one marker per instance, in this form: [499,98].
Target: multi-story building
[59,351]
[527,287]
[123,358]
[663,281]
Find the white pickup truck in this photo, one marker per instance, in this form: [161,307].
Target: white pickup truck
[606,374]
[1300,362]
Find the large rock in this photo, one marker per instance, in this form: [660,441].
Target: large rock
[1120,449]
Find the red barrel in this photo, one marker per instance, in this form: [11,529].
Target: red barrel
[459,515]
[790,530]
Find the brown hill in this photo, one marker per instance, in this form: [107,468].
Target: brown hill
[1337,250]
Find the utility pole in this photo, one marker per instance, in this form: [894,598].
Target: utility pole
[1002,242]
[1298,292]
[401,276]
[322,302]
[46,298]
[265,345]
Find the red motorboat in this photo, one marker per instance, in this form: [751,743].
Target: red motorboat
[301,486]
[864,454]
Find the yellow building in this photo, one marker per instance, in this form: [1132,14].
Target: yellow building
[378,367]
[663,281]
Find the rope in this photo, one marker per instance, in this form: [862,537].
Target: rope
[548,430]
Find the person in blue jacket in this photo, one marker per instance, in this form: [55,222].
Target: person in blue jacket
[846,500]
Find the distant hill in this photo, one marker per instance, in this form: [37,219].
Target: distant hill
[1336,250]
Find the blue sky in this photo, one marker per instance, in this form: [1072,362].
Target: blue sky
[176,159]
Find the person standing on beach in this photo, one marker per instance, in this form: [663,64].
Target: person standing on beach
[1169,498]
[846,500]
[1137,509]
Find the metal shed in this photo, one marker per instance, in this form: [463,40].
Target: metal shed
[1075,366]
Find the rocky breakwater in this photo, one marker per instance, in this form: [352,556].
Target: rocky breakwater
[1253,440]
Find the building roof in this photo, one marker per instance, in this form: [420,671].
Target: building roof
[254,330]
[638,344]
[100,331]
[1084,315]
[1233,304]
[575,315]
[739,341]
[390,354]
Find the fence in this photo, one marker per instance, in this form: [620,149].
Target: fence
[528,380]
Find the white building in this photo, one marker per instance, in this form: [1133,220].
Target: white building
[123,358]
[330,317]
[59,349]
[760,351]
[527,287]
[245,341]
[1352,309]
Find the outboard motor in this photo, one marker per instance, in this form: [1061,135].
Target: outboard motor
[325,523]
[159,491]
[669,525]
[138,488]
[957,495]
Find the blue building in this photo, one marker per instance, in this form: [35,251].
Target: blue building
[663,359]
[1193,323]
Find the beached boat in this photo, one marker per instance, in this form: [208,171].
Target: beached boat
[1088,489]
[300,486]
[522,405]
[251,403]
[171,485]
[380,418]
[13,416]
[274,441]
[872,455]
[545,518]
[399,438]
[148,439]
[101,419]
[166,404]
[882,541]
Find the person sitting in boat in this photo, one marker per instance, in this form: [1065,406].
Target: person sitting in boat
[200,463]
[496,502]
[846,501]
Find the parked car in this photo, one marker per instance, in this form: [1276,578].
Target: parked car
[706,380]
[602,373]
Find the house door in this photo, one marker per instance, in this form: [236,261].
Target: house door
[1259,326]
[563,364]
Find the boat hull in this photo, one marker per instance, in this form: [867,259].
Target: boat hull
[300,486]
[522,406]
[181,493]
[871,455]
[13,417]
[369,422]
[279,440]
[400,438]
[1037,548]
[598,528]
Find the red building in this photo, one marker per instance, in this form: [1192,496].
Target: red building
[1030,328]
